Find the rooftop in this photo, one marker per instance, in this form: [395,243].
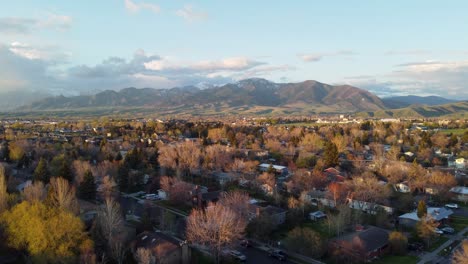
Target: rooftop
[436,213]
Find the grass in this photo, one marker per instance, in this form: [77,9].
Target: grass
[390,259]
[458,223]
[320,227]
[441,240]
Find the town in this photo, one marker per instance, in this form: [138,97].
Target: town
[257,190]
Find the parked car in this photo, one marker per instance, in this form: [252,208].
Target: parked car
[237,255]
[246,243]
[448,230]
[452,206]
[438,231]
[275,253]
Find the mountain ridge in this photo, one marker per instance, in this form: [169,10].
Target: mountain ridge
[249,92]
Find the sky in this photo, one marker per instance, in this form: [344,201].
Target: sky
[81,47]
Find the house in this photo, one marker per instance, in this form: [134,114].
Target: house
[460,163]
[461,193]
[363,245]
[402,187]
[201,198]
[276,214]
[282,170]
[438,214]
[163,248]
[370,208]
[317,215]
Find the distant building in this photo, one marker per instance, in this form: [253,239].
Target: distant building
[276,214]
[461,193]
[282,170]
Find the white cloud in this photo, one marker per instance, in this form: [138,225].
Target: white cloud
[314,57]
[56,21]
[134,7]
[228,64]
[18,25]
[446,79]
[190,14]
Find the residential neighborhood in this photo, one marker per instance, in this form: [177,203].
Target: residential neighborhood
[144,191]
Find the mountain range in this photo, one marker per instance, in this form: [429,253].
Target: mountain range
[250,97]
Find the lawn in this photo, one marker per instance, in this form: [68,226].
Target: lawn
[320,227]
[458,223]
[397,259]
[437,243]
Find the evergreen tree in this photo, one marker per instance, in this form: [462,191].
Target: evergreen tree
[123,177]
[422,209]
[118,157]
[330,156]
[65,171]
[41,173]
[87,189]
[6,152]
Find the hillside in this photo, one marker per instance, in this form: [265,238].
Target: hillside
[245,95]
[456,110]
[405,101]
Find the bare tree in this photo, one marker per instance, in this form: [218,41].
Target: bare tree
[461,255]
[109,219]
[216,227]
[34,192]
[62,195]
[3,191]
[237,201]
[118,249]
[144,256]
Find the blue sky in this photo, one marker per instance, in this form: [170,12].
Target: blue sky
[387,47]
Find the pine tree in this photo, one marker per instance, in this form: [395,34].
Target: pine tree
[123,177]
[41,173]
[422,209]
[65,171]
[87,189]
[330,156]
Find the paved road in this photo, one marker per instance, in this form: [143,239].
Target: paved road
[433,257]
[257,256]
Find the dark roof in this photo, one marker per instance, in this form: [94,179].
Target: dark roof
[211,196]
[372,238]
[151,240]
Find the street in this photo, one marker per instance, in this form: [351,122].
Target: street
[258,256]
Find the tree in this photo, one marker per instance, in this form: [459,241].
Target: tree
[41,173]
[216,227]
[337,223]
[65,171]
[398,242]
[144,256]
[109,220]
[422,209]
[87,189]
[305,241]
[426,228]
[62,195]
[330,155]
[3,191]
[461,255]
[237,201]
[47,233]
[35,192]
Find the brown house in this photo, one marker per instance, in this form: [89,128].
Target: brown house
[163,248]
[363,245]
